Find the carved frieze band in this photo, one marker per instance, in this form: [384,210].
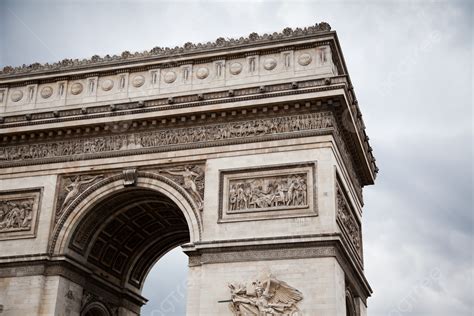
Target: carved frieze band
[265,254]
[18,213]
[268,192]
[164,139]
[348,222]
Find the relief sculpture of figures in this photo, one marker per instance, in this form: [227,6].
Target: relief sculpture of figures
[265,296]
[167,137]
[74,188]
[348,220]
[191,180]
[16,215]
[261,193]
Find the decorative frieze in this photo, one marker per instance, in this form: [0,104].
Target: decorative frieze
[162,139]
[348,222]
[266,295]
[267,192]
[18,213]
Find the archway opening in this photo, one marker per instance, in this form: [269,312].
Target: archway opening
[122,236]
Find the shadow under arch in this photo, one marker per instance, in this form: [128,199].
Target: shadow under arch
[121,231]
[95,309]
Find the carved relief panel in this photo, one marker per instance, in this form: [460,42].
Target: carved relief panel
[18,213]
[347,221]
[268,192]
[266,295]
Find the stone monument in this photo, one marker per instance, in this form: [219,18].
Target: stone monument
[250,153]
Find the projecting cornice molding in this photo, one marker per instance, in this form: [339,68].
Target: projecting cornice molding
[158,52]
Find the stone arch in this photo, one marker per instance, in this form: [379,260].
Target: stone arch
[350,306]
[95,309]
[77,238]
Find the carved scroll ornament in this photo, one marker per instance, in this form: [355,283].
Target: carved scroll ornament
[264,296]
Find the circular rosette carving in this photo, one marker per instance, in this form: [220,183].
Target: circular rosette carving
[304,59]
[269,63]
[138,81]
[107,85]
[169,77]
[235,68]
[16,95]
[202,73]
[46,92]
[76,88]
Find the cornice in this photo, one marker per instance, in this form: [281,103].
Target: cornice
[165,52]
[175,102]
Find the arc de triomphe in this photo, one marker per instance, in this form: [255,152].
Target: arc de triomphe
[251,153]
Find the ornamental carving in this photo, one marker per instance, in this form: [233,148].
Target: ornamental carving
[348,222]
[46,92]
[266,295]
[76,88]
[166,51]
[138,81]
[268,192]
[189,177]
[71,187]
[170,77]
[18,213]
[269,63]
[167,138]
[235,68]
[304,59]
[16,95]
[107,84]
[202,73]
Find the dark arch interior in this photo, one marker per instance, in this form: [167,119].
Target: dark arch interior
[95,312]
[126,232]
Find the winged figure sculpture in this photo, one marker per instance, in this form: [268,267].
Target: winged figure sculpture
[265,296]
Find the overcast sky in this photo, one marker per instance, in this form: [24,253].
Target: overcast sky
[411,63]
